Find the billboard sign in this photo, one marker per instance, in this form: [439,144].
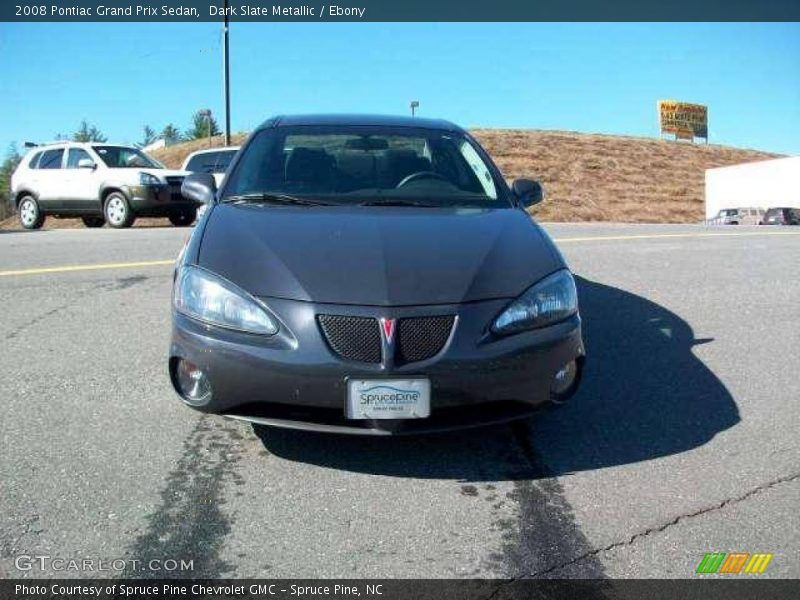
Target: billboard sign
[683,119]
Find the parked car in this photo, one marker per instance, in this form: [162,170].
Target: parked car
[782,216]
[375,275]
[98,182]
[738,216]
[212,160]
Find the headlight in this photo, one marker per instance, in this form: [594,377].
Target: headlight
[148,179]
[551,300]
[204,296]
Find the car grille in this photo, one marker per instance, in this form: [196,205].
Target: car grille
[421,338]
[174,181]
[352,338]
[359,338]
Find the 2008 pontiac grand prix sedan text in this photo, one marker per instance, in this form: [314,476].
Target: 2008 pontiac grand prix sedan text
[370,275]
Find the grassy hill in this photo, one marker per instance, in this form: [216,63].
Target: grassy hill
[591,177]
[587,177]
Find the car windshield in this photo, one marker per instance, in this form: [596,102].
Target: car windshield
[122,157]
[216,161]
[366,165]
[727,212]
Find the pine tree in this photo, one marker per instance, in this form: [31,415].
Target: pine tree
[87,133]
[6,169]
[149,136]
[202,127]
[171,134]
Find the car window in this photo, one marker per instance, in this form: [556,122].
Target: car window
[123,157]
[351,164]
[51,159]
[480,168]
[224,158]
[203,163]
[75,155]
[33,163]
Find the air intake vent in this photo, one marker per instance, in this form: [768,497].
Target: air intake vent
[421,338]
[352,338]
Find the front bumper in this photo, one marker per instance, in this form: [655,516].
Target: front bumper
[157,200]
[294,380]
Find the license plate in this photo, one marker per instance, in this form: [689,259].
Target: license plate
[388,398]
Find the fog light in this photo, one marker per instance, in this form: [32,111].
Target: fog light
[192,382]
[564,381]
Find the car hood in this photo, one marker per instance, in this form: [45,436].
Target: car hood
[130,176]
[378,256]
[166,172]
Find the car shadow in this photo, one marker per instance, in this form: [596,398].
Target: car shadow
[644,395]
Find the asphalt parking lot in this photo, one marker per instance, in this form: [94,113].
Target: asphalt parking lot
[683,439]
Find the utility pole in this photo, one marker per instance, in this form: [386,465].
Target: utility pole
[414,107]
[226,70]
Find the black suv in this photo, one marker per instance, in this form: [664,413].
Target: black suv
[782,216]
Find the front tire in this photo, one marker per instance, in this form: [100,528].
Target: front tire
[117,211]
[183,217]
[93,222]
[30,215]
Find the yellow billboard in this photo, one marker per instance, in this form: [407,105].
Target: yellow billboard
[683,119]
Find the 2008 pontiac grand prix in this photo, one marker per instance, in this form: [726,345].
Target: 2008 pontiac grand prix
[367,274]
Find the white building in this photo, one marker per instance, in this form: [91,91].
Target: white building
[764,184]
[156,145]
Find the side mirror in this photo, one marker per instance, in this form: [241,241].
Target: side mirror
[528,192]
[86,163]
[200,187]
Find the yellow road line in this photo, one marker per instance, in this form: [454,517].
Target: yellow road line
[655,236]
[600,238]
[94,267]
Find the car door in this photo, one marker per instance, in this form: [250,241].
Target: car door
[81,183]
[50,182]
[30,179]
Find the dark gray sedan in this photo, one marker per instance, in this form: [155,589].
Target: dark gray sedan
[375,275]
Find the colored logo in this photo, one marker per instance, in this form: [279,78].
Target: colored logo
[734,562]
[388,329]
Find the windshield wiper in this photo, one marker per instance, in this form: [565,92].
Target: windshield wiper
[395,202]
[273,198]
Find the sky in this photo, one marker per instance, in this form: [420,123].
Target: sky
[591,77]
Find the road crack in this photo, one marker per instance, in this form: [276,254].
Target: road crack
[658,529]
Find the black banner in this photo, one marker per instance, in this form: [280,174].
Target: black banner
[735,588]
[405,10]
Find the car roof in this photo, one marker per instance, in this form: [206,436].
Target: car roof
[62,143]
[359,119]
